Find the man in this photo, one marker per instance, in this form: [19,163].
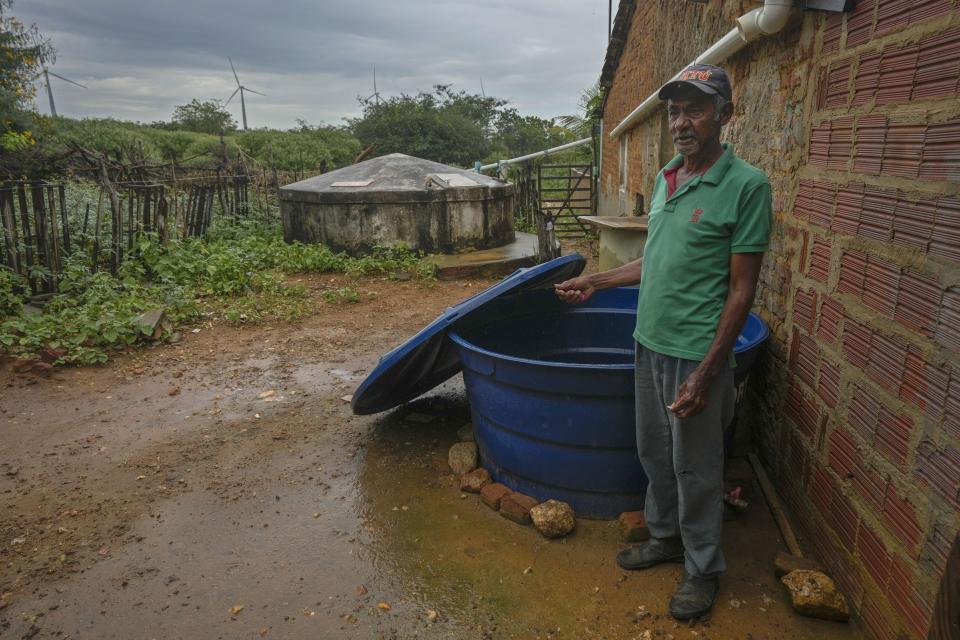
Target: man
[709,226]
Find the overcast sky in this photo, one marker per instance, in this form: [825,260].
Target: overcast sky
[312,58]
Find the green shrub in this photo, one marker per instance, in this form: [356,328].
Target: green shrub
[237,271]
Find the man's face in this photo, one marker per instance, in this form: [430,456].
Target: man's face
[693,121]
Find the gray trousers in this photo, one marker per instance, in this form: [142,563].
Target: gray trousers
[683,459]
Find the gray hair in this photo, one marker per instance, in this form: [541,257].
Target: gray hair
[719,104]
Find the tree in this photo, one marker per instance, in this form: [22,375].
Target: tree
[581,124]
[517,135]
[444,126]
[22,51]
[209,116]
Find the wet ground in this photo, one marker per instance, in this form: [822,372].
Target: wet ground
[170,494]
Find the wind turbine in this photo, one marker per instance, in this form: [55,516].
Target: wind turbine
[46,73]
[374,95]
[240,88]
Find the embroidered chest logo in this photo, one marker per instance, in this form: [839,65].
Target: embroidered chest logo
[695,216]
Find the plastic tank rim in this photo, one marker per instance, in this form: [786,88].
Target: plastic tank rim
[738,349]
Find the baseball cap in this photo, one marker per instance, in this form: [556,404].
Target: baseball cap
[704,77]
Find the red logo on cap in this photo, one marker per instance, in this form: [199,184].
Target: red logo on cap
[703,76]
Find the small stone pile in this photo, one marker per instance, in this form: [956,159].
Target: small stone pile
[553,518]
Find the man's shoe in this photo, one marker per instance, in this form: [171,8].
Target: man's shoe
[652,552]
[694,597]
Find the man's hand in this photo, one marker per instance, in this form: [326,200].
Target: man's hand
[744,273]
[692,395]
[575,290]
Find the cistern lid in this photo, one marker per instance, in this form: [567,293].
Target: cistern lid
[430,358]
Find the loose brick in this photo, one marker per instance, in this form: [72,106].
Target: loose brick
[493,494]
[475,481]
[516,507]
[633,526]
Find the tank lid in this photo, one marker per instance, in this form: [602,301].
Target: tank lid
[393,172]
[430,358]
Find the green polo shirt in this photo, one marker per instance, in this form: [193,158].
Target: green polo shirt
[686,261]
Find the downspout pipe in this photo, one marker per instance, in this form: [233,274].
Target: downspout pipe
[763,21]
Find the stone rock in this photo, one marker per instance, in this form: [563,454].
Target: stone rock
[516,507]
[465,433]
[22,365]
[784,563]
[493,494]
[814,594]
[43,368]
[553,518]
[475,481]
[633,526]
[150,323]
[463,457]
[52,354]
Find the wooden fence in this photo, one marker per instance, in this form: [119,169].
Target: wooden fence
[37,231]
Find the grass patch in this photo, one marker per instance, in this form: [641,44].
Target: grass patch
[237,272]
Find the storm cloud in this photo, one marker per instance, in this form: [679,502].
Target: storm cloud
[313,59]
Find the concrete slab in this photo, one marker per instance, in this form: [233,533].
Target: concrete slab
[622,238]
[499,261]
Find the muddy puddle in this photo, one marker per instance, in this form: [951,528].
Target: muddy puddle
[467,562]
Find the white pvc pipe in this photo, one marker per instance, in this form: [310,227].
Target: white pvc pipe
[538,154]
[762,21]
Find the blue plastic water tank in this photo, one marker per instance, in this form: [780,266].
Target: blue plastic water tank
[550,387]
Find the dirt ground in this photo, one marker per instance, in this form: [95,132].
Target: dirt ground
[221,488]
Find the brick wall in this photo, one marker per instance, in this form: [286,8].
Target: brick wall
[856,405]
